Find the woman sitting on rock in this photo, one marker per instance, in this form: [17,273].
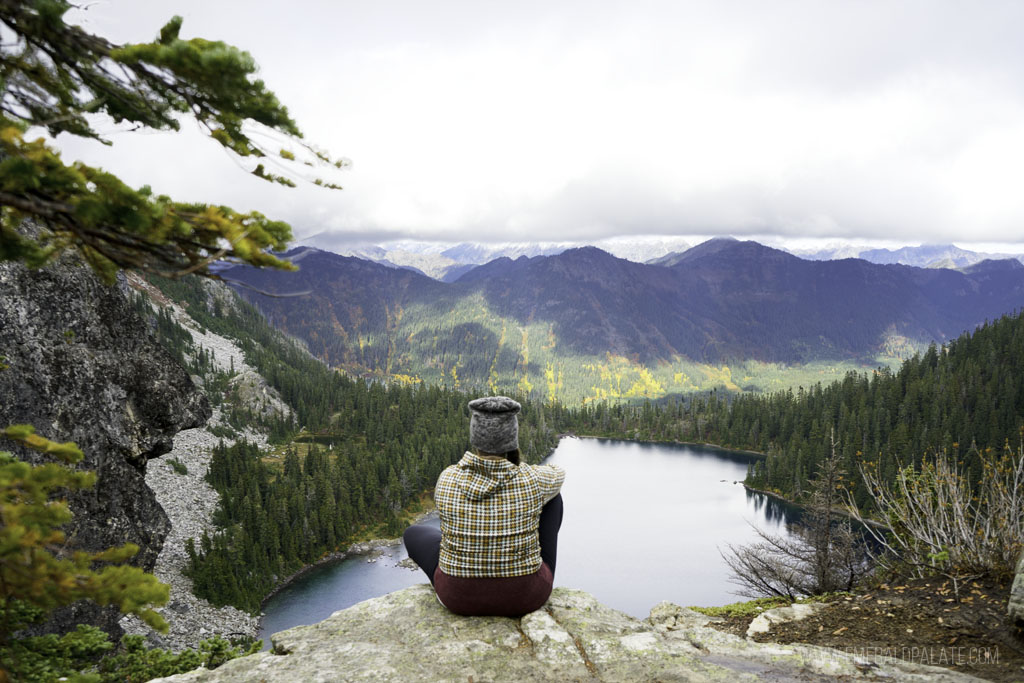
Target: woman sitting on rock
[495,552]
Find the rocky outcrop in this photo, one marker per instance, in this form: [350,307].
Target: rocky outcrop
[1016,606]
[409,636]
[82,367]
[249,390]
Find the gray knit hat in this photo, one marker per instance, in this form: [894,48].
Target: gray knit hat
[493,427]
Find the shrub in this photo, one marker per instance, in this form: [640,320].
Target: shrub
[941,522]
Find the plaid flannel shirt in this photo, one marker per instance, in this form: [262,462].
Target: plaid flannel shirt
[489,511]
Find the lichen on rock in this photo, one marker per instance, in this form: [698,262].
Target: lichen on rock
[408,636]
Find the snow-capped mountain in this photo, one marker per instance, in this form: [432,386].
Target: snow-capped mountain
[831,252]
[930,255]
[923,256]
[447,261]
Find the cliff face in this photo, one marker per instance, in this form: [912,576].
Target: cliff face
[409,636]
[84,368]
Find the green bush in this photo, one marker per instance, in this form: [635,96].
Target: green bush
[135,663]
[35,578]
[74,656]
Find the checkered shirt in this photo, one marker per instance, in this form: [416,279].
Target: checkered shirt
[489,512]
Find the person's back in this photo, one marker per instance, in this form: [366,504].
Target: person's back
[495,553]
[489,509]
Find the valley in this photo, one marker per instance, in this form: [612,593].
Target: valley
[584,326]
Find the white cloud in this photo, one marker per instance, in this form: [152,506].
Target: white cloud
[561,120]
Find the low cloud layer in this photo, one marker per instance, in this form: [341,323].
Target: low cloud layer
[565,121]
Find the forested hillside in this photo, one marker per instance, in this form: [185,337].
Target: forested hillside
[962,398]
[584,326]
[360,456]
[387,448]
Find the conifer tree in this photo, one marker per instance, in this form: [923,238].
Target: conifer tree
[35,575]
[59,78]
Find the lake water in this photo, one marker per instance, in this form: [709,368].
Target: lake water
[643,523]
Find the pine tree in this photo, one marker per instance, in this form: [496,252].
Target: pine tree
[35,576]
[57,76]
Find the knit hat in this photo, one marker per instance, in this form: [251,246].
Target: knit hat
[493,427]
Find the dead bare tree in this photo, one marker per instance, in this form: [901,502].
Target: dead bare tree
[823,555]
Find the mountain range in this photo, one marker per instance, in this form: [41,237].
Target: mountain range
[448,262]
[583,316]
[925,255]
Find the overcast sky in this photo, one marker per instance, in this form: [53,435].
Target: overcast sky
[882,121]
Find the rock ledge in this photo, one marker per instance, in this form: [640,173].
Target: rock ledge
[408,636]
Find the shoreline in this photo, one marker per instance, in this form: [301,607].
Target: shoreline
[355,550]
[715,447]
[840,511]
[772,494]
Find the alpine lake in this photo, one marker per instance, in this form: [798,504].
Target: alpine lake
[643,523]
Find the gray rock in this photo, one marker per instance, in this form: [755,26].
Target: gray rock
[189,502]
[409,636]
[1016,606]
[252,392]
[84,368]
[763,622]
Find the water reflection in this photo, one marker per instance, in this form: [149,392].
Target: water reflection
[773,509]
[699,451]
